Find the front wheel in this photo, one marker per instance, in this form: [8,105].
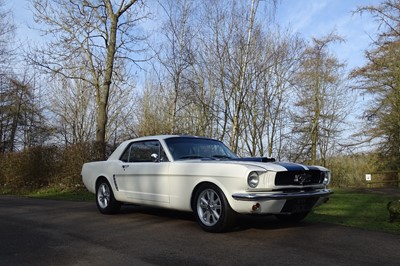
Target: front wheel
[105,201]
[212,210]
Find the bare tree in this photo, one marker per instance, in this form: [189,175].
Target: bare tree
[21,118]
[321,101]
[96,36]
[240,93]
[176,56]
[74,108]
[231,27]
[380,79]
[7,31]
[152,114]
[266,112]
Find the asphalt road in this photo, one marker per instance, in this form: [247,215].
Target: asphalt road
[47,232]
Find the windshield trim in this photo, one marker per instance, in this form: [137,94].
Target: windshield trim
[179,149]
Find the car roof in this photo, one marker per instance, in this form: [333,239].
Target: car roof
[117,152]
[163,137]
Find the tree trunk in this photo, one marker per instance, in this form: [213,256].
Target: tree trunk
[102,115]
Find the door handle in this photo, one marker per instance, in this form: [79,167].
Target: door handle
[125,166]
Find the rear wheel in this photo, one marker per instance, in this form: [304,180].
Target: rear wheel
[212,210]
[106,203]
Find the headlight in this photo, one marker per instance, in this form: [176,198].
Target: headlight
[326,177]
[253,179]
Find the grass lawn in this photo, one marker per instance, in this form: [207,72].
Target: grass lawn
[63,194]
[357,209]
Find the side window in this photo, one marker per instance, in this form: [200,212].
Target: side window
[142,151]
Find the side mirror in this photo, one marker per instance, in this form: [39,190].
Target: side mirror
[154,158]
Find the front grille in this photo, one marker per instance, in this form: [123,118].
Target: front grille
[298,178]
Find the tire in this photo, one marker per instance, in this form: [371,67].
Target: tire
[212,210]
[105,200]
[292,218]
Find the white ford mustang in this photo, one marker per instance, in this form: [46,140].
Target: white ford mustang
[202,175]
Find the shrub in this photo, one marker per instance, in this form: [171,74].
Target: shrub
[43,166]
[349,170]
[30,169]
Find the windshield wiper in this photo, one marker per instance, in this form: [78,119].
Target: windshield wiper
[194,156]
[213,157]
[221,156]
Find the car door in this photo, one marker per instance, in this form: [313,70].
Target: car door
[143,175]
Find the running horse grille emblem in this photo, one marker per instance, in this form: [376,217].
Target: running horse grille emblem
[302,178]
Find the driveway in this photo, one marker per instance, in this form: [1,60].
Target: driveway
[47,232]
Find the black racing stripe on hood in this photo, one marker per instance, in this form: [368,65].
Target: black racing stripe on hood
[291,166]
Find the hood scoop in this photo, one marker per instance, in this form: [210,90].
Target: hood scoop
[255,159]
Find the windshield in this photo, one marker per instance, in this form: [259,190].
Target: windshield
[186,148]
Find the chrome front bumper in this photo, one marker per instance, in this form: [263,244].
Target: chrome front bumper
[281,196]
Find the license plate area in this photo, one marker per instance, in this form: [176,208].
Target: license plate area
[299,205]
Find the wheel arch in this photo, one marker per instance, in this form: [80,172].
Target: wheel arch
[199,185]
[100,178]
[105,200]
[108,180]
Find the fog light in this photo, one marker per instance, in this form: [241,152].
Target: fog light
[256,207]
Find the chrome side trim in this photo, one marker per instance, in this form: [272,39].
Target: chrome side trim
[281,196]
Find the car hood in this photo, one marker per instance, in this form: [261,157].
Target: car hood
[269,165]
